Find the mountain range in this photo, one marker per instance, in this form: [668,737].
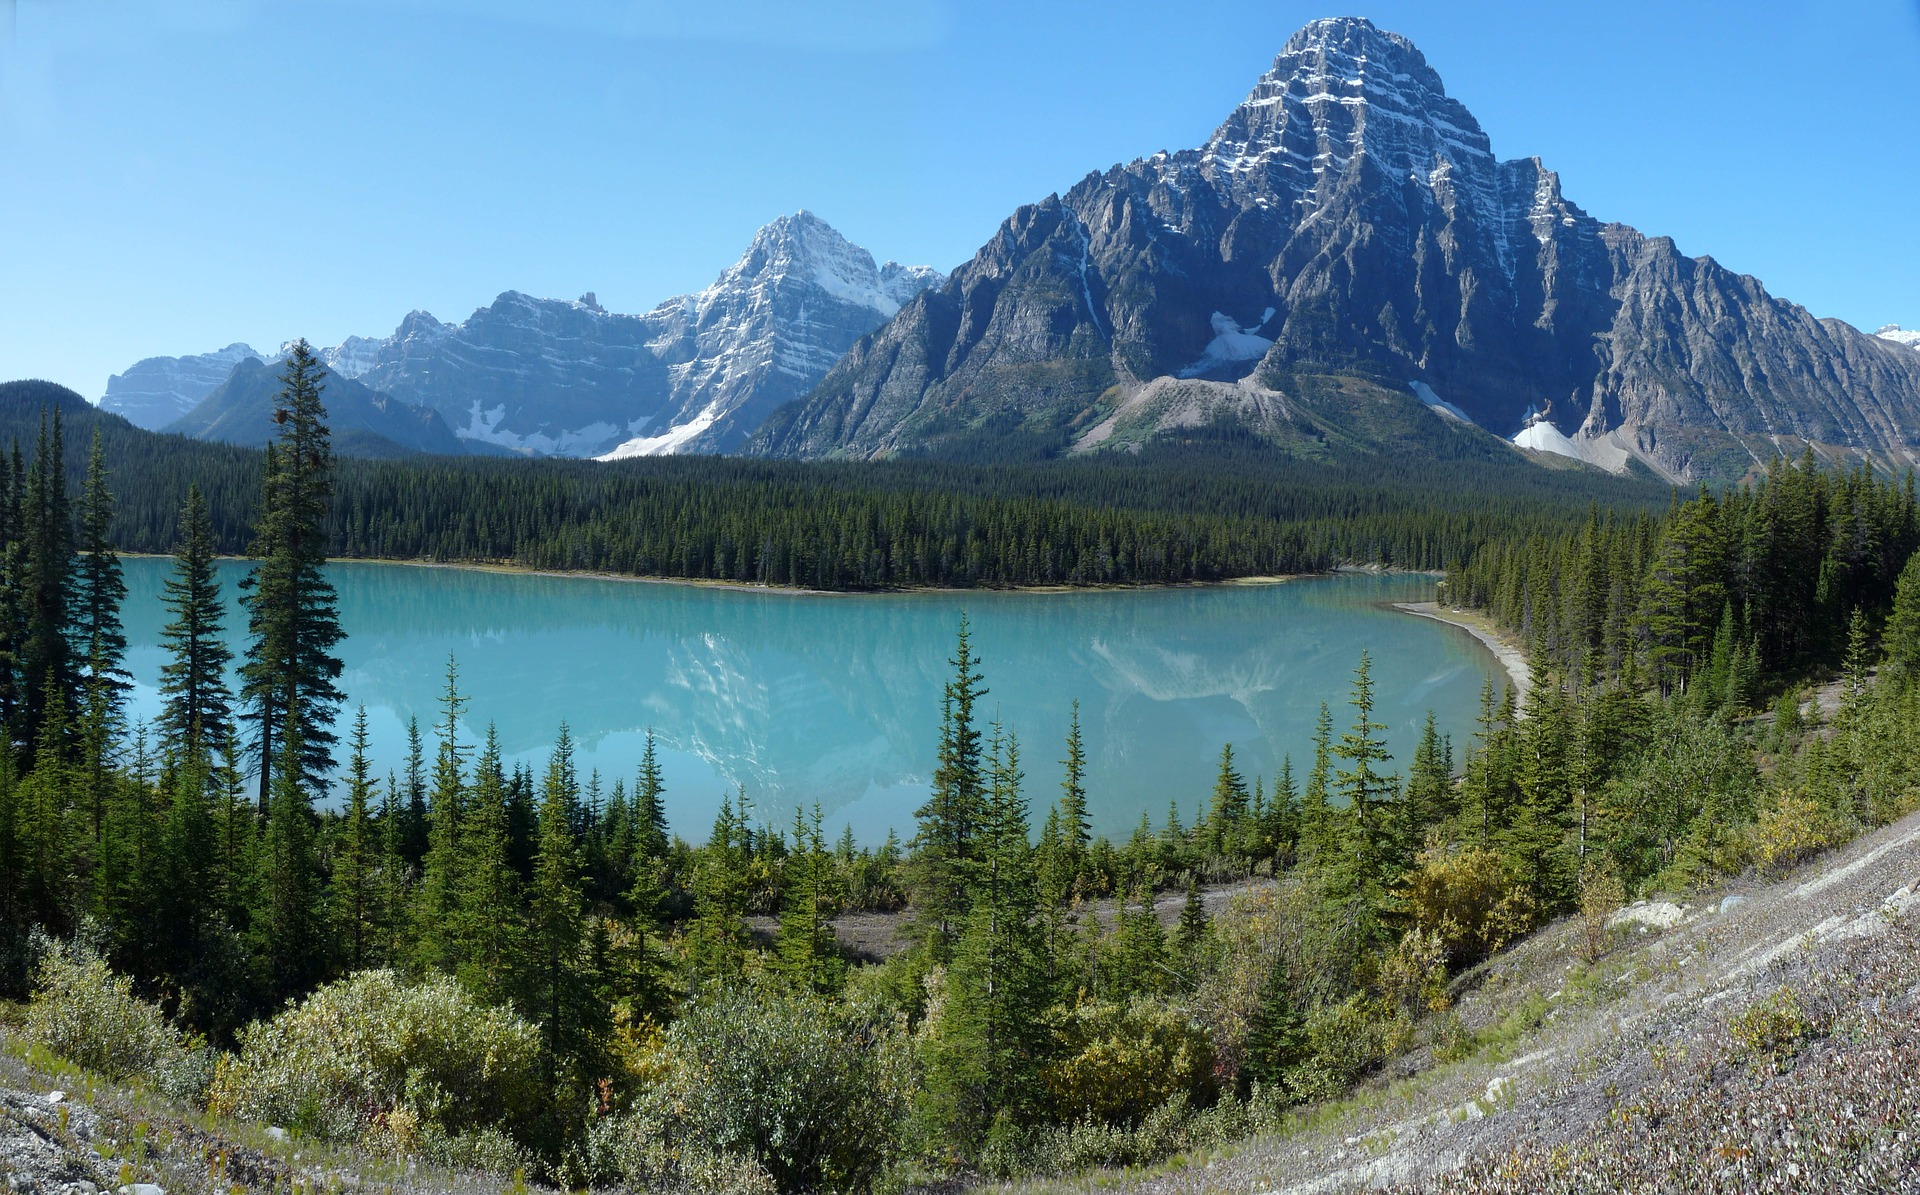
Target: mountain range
[550,377]
[1347,243]
[1343,267]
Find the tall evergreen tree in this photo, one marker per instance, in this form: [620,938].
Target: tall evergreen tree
[945,851]
[288,923]
[195,705]
[47,666]
[356,860]
[1369,792]
[559,989]
[102,643]
[808,951]
[293,619]
[987,1045]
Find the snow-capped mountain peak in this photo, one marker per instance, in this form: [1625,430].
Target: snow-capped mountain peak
[1899,335]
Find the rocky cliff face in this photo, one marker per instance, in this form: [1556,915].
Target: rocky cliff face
[549,377]
[1350,217]
[155,392]
[696,374]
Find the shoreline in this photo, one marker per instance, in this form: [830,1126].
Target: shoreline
[1504,650]
[489,566]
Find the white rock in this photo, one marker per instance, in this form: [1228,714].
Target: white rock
[55,1097]
[1651,914]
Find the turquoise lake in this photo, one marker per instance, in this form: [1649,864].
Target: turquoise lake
[802,698]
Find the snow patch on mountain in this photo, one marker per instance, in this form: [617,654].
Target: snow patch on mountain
[1607,452]
[1231,345]
[673,440]
[1899,335]
[1425,394]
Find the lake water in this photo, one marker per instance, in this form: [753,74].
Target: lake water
[835,699]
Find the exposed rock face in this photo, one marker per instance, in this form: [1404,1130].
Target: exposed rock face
[551,377]
[155,392]
[364,422]
[1350,215]
[696,374]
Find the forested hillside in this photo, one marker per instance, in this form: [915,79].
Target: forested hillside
[1215,506]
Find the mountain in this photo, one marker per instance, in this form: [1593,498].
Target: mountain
[549,377]
[364,422]
[155,392]
[696,374]
[1345,248]
[1899,335]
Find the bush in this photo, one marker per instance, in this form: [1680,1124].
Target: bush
[1792,829]
[1465,897]
[763,1090]
[372,1057]
[1118,1062]
[89,1016]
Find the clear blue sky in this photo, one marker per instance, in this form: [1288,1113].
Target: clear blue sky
[177,175]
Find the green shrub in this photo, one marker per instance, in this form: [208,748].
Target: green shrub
[89,1016]
[373,1057]
[1118,1062]
[763,1090]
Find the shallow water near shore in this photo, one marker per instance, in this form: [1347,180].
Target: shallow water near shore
[835,699]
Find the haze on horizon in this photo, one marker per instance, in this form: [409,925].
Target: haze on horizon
[177,177]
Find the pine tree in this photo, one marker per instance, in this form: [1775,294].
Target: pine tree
[945,853]
[1319,831]
[356,861]
[1369,793]
[1901,635]
[985,1050]
[717,940]
[195,703]
[1190,937]
[1075,830]
[649,805]
[1429,795]
[288,929]
[46,666]
[437,901]
[1277,1035]
[484,934]
[1226,819]
[808,952]
[102,642]
[292,616]
[559,991]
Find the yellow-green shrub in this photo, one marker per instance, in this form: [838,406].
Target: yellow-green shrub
[371,1055]
[88,1015]
[1118,1062]
[1792,829]
[1465,897]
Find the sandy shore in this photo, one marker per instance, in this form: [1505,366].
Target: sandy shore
[1504,649]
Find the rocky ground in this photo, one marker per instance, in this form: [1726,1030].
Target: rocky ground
[65,1133]
[1762,1038]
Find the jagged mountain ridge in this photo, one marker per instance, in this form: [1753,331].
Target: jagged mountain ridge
[1349,217]
[364,422]
[158,390]
[549,377]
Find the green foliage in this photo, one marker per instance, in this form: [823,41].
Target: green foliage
[1117,1061]
[88,1015]
[372,1054]
[812,1094]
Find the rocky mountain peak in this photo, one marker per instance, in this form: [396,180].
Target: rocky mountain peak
[804,249]
[1344,94]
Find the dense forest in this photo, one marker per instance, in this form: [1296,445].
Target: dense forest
[1214,507]
[532,971]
